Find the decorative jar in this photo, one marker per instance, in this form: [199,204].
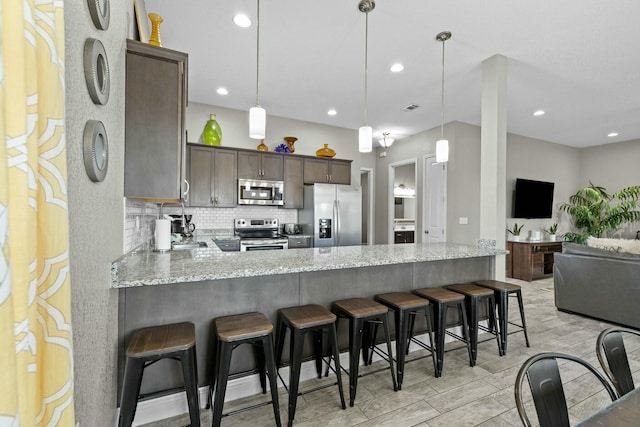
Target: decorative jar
[212,134]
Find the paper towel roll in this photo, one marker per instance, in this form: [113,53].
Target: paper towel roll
[163,234]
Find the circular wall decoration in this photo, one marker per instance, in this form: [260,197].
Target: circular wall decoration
[100,13]
[95,150]
[96,71]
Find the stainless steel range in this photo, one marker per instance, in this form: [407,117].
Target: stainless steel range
[262,234]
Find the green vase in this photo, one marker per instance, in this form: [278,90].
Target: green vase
[212,134]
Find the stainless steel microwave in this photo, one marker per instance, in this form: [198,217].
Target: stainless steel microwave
[254,192]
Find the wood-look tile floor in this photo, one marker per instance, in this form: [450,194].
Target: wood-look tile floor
[464,396]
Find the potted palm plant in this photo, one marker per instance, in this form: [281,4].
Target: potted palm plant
[595,212]
[515,231]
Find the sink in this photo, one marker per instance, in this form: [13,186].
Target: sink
[188,245]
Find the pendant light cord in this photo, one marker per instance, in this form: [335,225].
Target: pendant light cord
[442,96]
[366,62]
[258,57]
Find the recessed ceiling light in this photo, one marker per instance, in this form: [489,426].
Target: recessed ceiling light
[332,112]
[222,91]
[612,134]
[242,20]
[396,68]
[539,113]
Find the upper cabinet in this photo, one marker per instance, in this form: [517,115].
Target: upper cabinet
[212,177]
[258,165]
[331,171]
[293,193]
[155,142]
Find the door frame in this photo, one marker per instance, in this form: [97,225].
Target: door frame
[425,197]
[390,196]
[370,208]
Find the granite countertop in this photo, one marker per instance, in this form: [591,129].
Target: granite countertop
[142,266]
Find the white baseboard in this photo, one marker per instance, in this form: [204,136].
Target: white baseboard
[176,404]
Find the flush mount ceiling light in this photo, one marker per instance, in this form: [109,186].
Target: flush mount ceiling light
[396,68]
[222,91]
[242,20]
[386,141]
[442,145]
[539,113]
[257,114]
[365,133]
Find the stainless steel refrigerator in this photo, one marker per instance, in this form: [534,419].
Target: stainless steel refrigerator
[333,214]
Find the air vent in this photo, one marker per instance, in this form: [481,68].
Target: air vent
[411,107]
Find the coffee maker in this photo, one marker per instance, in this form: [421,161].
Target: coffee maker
[184,227]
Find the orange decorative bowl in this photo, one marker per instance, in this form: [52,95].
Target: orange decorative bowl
[325,152]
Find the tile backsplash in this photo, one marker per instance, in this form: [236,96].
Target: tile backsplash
[140,218]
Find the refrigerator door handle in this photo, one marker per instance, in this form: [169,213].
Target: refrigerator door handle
[339,221]
[335,224]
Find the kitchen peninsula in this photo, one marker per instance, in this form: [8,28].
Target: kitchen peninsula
[201,284]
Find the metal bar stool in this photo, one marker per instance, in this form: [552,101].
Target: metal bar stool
[360,311]
[302,319]
[474,296]
[147,346]
[441,300]
[230,332]
[503,291]
[405,307]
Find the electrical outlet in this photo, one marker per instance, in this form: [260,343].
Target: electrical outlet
[463,220]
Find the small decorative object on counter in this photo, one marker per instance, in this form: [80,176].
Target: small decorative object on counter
[262,146]
[156,20]
[282,148]
[325,152]
[290,141]
[515,232]
[212,134]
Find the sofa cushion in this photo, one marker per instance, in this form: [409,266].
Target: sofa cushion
[617,245]
[577,249]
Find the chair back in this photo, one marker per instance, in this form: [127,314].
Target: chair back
[546,388]
[613,358]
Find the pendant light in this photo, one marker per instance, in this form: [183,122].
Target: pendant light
[365,133]
[257,114]
[386,141]
[442,145]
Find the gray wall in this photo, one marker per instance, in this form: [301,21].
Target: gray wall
[95,214]
[613,166]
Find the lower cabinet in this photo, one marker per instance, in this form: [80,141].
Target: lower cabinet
[533,260]
[213,177]
[403,236]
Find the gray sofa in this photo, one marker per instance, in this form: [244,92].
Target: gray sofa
[598,283]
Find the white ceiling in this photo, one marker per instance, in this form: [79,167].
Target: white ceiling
[579,60]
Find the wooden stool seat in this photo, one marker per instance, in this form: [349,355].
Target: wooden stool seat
[502,291]
[402,300]
[158,340]
[242,326]
[147,346]
[405,308]
[360,307]
[440,295]
[469,289]
[307,316]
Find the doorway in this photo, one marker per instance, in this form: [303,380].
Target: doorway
[402,196]
[366,182]
[434,208]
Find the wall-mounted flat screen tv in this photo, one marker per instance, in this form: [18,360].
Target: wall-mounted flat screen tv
[533,199]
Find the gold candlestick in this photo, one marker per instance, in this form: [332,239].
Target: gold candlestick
[156,20]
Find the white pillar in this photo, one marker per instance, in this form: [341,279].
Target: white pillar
[493,157]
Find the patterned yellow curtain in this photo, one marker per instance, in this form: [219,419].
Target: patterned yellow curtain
[36,365]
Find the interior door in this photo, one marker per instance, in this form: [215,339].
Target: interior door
[434,211]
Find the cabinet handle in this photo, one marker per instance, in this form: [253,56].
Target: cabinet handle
[327,177]
[214,200]
[185,195]
[330,179]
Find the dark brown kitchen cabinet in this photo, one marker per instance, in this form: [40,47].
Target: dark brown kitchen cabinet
[293,192]
[256,165]
[403,236]
[213,177]
[155,141]
[327,171]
